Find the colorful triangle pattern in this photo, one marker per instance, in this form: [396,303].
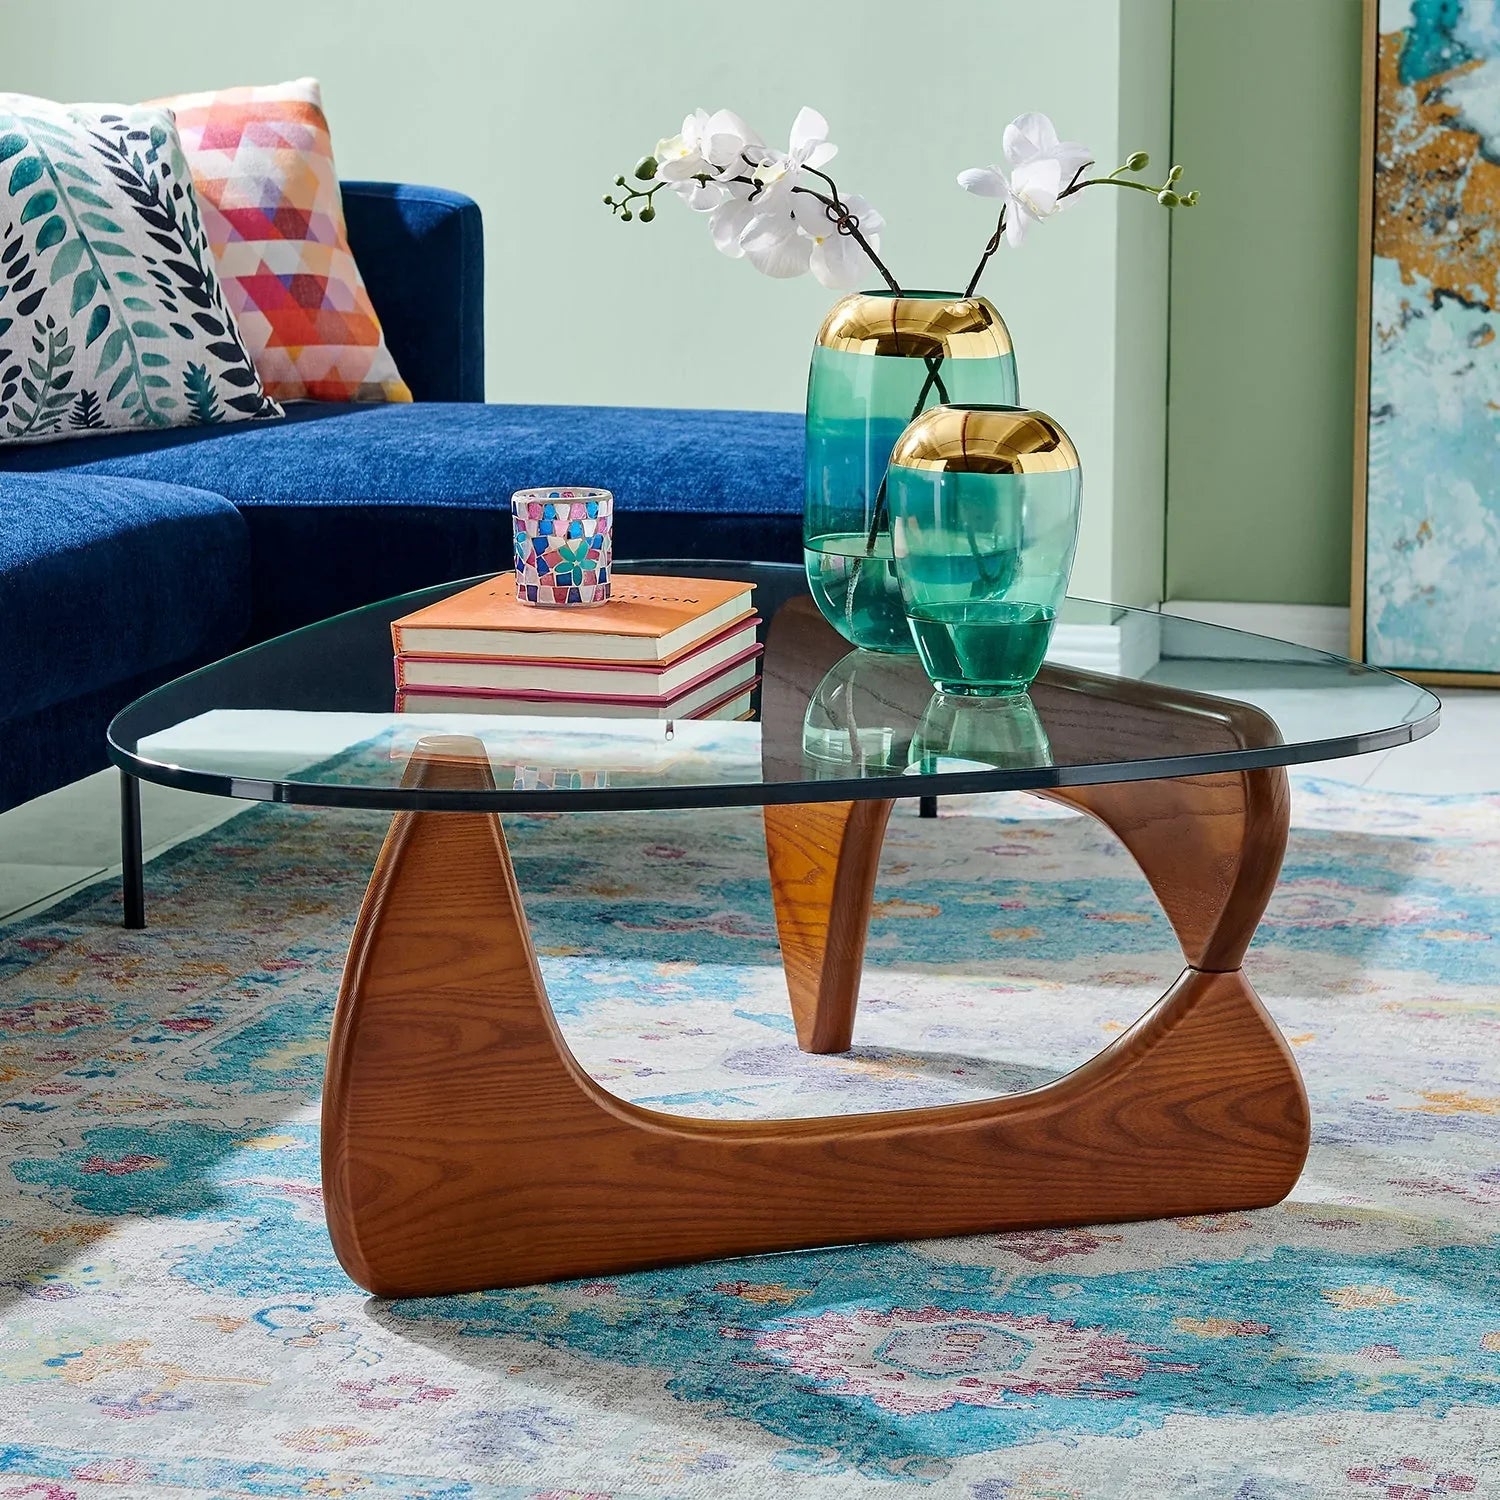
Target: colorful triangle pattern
[262,165]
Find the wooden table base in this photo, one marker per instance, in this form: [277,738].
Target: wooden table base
[464,1147]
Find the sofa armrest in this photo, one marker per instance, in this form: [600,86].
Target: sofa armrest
[421,253]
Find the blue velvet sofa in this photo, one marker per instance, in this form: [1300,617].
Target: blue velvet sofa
[127,559]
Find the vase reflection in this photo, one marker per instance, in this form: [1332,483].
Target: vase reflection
[859,718]
[877,715]
[978,734]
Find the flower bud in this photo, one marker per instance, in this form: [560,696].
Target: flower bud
[609,200]
[647,214]
[627,216]
[1174,174]
[645,168]
[619,182]
[1167,198]
[1192,198]
[1137,161]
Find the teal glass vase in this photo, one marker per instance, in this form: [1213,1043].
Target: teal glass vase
[984,504]
[879,361]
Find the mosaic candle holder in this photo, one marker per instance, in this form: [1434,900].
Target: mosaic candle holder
[564,545]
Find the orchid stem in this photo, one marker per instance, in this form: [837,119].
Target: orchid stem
[838,212]
[880,518]
[991,246]
[1111,181]
[1077,185]
[847,223]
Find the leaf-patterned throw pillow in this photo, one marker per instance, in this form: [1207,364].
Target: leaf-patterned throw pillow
[111,312]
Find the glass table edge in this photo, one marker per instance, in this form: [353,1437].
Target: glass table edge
[765,794]
[745,794]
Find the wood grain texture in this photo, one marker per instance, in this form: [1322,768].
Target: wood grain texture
[464,1147]
[1210,846]
[823,857]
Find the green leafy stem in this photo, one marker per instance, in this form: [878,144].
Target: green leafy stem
[91,281]
[45,383]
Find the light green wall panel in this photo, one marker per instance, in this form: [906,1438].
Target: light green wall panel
[1142,292]
[1262,344]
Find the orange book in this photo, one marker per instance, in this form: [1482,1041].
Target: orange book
[646,620]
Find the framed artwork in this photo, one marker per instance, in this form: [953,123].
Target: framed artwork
[1427,467]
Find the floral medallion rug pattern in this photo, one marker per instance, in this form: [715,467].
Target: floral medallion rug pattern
[173,1322]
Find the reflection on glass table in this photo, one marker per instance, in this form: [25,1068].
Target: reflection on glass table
[1124,694]
[973,734]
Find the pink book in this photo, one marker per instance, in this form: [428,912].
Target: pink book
[713,698]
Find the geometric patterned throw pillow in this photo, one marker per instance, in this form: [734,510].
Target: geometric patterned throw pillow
[111,312]
[263,166]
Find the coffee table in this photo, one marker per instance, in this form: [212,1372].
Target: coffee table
[464,1147]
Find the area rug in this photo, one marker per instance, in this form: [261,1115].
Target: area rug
[173,1322]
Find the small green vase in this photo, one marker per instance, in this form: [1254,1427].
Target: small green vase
[984,511]
[880,360]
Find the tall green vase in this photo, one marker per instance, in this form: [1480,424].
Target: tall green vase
[880,360]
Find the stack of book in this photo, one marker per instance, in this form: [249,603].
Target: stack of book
[661,648]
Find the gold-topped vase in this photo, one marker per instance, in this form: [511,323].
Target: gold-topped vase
[984,503]
[880,360]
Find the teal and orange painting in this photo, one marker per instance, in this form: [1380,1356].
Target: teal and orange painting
[1432,589]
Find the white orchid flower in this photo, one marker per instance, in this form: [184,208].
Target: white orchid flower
[773,241]
[1033,138]
[789,241]
[1042,168]
[730,218]
[771,225]
[991,182]
[680,156]
[809,148]
[701,197]
[708,145]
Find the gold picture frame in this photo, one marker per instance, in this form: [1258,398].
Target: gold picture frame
[1370,58]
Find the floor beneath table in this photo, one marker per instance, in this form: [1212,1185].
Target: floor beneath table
[72,836]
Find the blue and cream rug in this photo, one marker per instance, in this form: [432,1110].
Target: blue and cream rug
[173,1323]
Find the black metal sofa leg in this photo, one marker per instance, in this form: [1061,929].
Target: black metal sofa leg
[133,878]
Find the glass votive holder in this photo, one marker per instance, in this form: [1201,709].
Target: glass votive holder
[564,540]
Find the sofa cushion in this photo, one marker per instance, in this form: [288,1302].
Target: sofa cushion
[262,164]
[104,580]
[111,314]
[347,504]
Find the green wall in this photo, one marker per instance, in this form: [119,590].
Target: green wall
[1241,416]
[1262,341]
[1142,296]
[534,108]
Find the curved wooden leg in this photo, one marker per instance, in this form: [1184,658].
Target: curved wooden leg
[1211,847]
[464,1147]
[823,858]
